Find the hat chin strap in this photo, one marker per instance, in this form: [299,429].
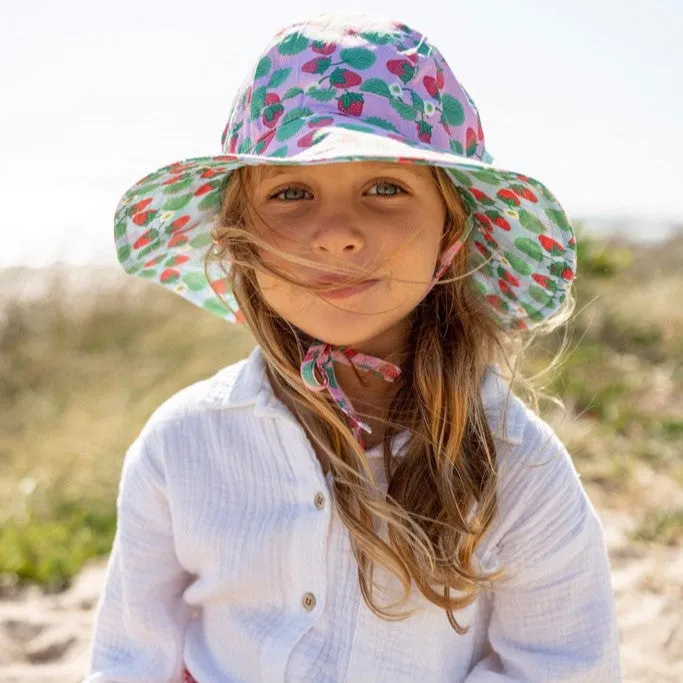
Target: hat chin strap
[317,367]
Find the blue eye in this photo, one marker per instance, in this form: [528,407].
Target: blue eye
[287,191]
[382,189]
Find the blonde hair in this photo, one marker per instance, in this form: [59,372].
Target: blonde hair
[441,496]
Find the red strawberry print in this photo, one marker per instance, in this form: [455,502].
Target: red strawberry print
[343,78]
[144,217]
[177,240]
[550,244]
[484,220]
[323,121]
[211,172]
[351,104]
[141,205]
[572,242]
[175,179]
[179,260]
[480,132]
[271,98]
[471,142]
[153,261]
[542,280]
[143,240]
[424,131]
[526,193]
[509,277]
[505,288]
[430,85]
[519,325]
[226,157]
[206,187]
[509,197]
[316,66]
[481,196]
[413,57]
[219,286]
[179,223]
[239,319]
[482,249]
[266,139]
[233,144]
[490,239]
[567,274]
[306,140]
[401,68]
[323,48]
[439,78]
[501,223]
[495,301]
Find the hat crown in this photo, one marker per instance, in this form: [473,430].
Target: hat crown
[353,71]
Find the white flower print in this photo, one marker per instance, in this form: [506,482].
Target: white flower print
[430,109]
[396,89]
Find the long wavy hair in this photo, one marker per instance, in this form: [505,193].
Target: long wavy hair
[441,495]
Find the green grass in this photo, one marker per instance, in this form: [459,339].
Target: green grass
[81,373]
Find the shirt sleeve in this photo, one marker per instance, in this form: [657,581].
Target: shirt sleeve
[141,616]
[553,618]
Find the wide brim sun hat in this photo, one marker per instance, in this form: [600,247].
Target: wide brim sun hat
[348,87]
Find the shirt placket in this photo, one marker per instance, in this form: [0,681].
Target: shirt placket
[306,588]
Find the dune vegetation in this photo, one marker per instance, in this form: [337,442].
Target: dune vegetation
[86,358]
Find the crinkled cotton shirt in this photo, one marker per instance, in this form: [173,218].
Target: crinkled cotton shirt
[230,559]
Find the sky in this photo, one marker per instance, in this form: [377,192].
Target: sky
[584,96]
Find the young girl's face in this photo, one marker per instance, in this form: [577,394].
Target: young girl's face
[384,220]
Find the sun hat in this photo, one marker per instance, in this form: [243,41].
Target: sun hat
[345,87]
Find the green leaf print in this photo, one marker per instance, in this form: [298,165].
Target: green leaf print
[258,101]
[279,77]
[357,57]
[418,102]
[244,147]
[262,68]
[322,95]
[456,147]
[559,218]
[280,152]
[530,222]
[453,112]
[177,203]
[519,265]
[405,111]
[486,176]
[123,252]
[376,86]
[534,315]
[215,306]
[286,131]
[210,200]
[119,229]
[175,188]
[195,281]
[539,295]
[529,247]
[382,123]
[292,92]
[377,38]
[201,240]
[292,44]
[460,177]
[296,113]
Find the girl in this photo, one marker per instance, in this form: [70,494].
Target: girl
[361,499]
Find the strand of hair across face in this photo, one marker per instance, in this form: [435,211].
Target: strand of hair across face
[320,356]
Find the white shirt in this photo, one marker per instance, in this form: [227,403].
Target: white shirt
[229,558]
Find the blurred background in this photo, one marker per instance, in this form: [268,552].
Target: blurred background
[580,95]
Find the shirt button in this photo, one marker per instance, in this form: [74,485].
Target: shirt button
[308,601]
[319,500]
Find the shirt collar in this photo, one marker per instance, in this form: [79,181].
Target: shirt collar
[245,383]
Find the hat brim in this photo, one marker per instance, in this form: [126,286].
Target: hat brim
[523,247]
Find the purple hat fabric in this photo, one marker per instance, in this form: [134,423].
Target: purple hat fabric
[346,87]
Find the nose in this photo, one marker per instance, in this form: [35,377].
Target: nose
[337,236]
